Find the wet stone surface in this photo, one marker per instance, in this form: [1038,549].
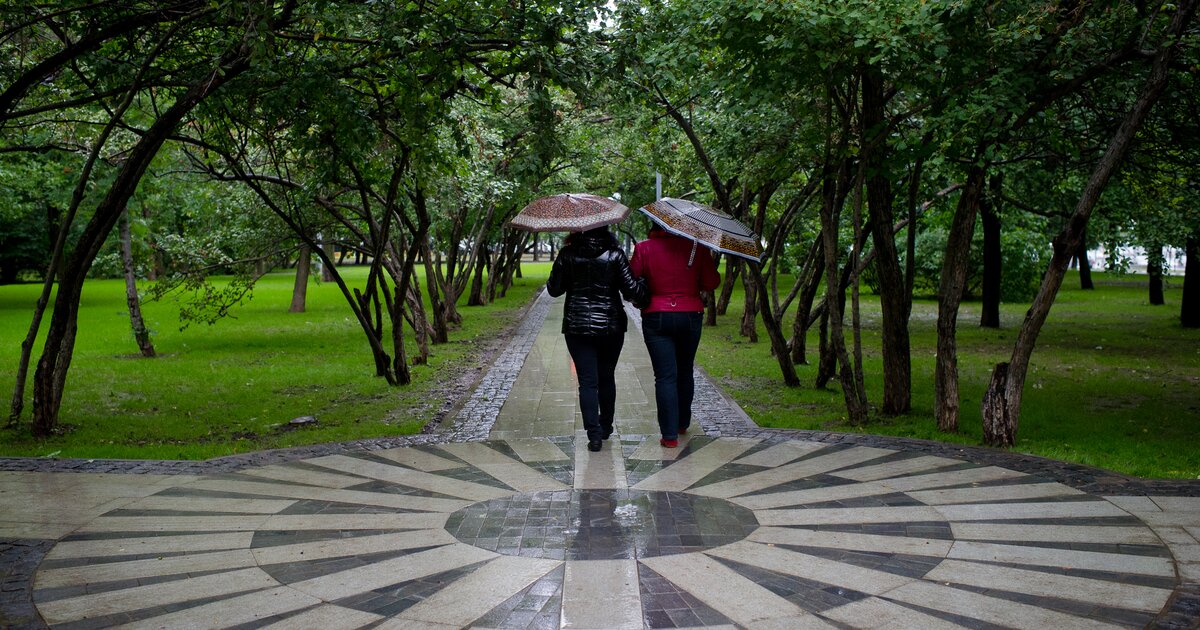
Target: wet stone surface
[601,524]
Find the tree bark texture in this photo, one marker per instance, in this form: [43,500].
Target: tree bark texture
[1002,407]
[1154,269]
[1189,303]
[751,287]
[894,303]
[989,215]
[950,291]
[1085,266]
[140,335]
[300,286]
[774,331]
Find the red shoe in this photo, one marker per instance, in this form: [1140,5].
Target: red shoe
[683,431]
[668,443]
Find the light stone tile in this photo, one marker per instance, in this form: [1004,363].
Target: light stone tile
[1179,504]
[873,613]
[1169,519]
[353,497]
[150,567]
[618,605]
[175,524]
[1175,535]
[1194,531]
[507,470]
[421,460]
[160,594]
[115,547]
[390,572]
[1098,592]
[724,590]
[37,531]
[604,469]
[1186,553]
[472,596]
[651,450]
[1134,505]
[697,465]
[305,476]
[874,488]
[993,610]
[309,522]
[411,478]
[1015,511]
[896,468]
[780,454]
[993,493]
[1046,557]
[211,504]
[399,623]
[791,472]
[852,541]
[358,545]
[327,617]
[837,516]
[530,450]
[236,611]
[1054,533]
[1189,571]
[810,567]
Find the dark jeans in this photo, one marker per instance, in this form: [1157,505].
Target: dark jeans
[595,359]
[672,339]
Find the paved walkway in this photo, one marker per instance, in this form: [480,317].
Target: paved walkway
[504,520]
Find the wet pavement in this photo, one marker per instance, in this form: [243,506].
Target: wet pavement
[501,519]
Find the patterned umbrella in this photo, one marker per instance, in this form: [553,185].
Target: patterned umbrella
[570,212]
[704,225]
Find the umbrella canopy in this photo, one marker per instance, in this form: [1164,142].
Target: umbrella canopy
[705,225]
[570,212]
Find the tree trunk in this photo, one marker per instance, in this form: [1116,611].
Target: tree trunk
[808,293]
[51,375]
[476,298]
[441,329]
[897,361]
[774,331]
[1189,303]
[954,274]
[300,287]
[1154,269]
[1085,267]
[989,214]
[733,270]
[750,289]
[1002,403]
[140,334]
[826,361]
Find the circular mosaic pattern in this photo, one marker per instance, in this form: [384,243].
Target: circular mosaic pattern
[538,533]
[601,524]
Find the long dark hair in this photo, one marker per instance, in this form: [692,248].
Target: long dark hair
[600,236]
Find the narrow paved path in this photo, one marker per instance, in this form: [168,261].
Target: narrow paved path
[504,520]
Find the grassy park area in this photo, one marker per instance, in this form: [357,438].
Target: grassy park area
[1115,382]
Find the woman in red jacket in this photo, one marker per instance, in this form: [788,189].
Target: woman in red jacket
[676,271]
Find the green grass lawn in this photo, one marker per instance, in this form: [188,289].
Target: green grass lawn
[232,387]
[1114,382]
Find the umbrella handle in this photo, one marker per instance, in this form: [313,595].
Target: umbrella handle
[693,254]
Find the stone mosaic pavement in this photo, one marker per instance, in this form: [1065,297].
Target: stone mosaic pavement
[503,520]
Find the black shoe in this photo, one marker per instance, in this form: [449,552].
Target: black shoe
[594,445]
[607,432]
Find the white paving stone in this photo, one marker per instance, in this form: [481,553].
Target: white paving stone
[602,470]
[511,472]
[1097,592]
[791,472]
[724,590]
[211,504]
[537,450]
[840,516]
[115,547]
[601,594]
[852,541]
[1023,491]
[1008,532]
[993,610]
[1022,511]
[471,597]
[701,463]
[159,594]
[897,468]
[1179,504]
[352,497]
[873,613]
[874,488]
[133,569]
[306,476]
[390,572]
[780,454]
[810,567]
[418,459]
[1134,505]
[1047,557]
[235,611]
[327,617]
[352,546]
[411,478]
[651,450]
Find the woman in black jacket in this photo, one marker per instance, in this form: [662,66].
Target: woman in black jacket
[594,273]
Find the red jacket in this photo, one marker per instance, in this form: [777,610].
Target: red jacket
[662,260]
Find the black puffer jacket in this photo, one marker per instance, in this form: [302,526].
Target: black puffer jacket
[594,273]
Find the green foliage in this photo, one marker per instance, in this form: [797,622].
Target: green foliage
[1024,253]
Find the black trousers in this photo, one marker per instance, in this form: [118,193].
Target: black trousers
[595,359]
[672,340]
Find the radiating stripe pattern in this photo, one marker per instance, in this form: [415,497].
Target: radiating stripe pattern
[728,532]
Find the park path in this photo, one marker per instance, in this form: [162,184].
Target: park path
[503,520]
